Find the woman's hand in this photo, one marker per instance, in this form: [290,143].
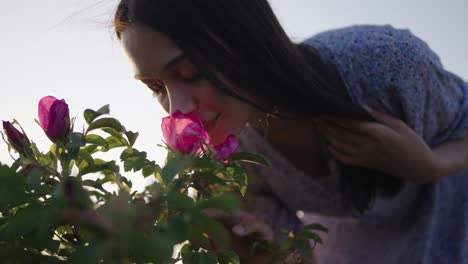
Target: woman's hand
[245,230]
[388,145]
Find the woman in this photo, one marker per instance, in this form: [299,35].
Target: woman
[389,179]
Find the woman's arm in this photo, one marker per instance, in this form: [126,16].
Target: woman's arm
[452,157]
[391,146]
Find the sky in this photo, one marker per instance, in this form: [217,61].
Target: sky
[67,48]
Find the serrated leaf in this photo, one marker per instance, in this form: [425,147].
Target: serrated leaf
[310,235]
[228,257]
[113,132]
[226,201]
[21,223]
[179,202]
[90,115]
[95,139]
[114,142]
[172,168]
[91,149]
[106,122]
[132,137]
[250,157]
[315,226]
[12,188]
[240,177]
[209,176]
[130,153]
[97,168]
[86,156]
[104,110]
[94,184]
[148,170]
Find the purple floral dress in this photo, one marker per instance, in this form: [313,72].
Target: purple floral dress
[392,71]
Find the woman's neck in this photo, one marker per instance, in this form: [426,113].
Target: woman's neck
[299,142]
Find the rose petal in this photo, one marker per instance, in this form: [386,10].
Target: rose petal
[183,132]
[227,148]
[44,107]
[59,121]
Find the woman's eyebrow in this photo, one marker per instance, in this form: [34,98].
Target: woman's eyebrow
[168,65]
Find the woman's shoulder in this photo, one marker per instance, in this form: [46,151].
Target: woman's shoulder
[365,41]
[360,33]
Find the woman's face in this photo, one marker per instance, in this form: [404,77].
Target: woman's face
[155,57]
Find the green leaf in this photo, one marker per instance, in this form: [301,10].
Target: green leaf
[114,142]
[204,163]
[93,253]
[148,170]
[91,149]
[179,202]
[206,258]
[90,115]
[95,139]
[240,177]
[104,110]
[94,184]
[226,201]
[214,229]
[228,257]
[250,157]
[173,167]
[23,222]
[34,178]
[310,235]
[106,122]
[110,166]
[316,226]
[131,152]
[86,156]
[132,137]
[12,188]
[209,176]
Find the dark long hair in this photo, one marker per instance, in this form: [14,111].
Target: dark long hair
[245,42]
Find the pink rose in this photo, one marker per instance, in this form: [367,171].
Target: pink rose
[183,132]
[15,137]
[227,148]
[54,118]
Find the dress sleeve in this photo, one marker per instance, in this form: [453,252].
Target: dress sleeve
[393,71]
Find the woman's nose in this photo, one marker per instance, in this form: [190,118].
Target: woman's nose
[183,102]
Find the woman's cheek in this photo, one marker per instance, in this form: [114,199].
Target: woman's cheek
[164,102]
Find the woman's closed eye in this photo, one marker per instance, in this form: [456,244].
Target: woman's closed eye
[194,78]
[156,85]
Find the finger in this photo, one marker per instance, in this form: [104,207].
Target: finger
[344,137]
[255,229]
[341,146]
[339,122]
[384,118]
[351,126]
[343,157]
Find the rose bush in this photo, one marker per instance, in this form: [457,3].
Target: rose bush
[52,212]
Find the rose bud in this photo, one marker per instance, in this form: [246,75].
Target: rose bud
[183,132]
[15,137]
[227,148]
[54,118]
